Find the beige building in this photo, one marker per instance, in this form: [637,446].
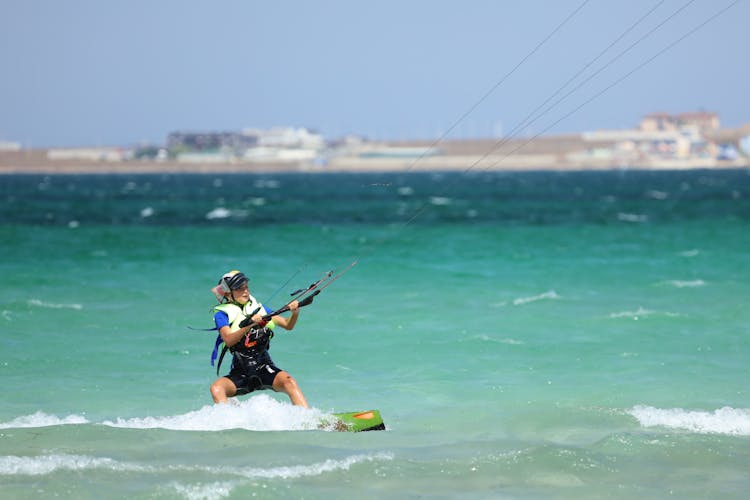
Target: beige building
[702,121]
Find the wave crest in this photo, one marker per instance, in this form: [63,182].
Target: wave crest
[52,305]
[41,419]
[685,283]
[259,413]
[550,295]
[726,420]
[47,464]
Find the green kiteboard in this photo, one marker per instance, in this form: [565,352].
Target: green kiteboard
[358,421]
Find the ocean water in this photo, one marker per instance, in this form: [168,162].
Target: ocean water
[524,335]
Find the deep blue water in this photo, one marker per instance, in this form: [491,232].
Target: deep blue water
[517,198]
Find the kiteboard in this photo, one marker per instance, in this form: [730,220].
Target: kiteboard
[357,421]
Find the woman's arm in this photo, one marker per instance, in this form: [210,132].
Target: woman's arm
[232,337]
[225,330]
[288,323]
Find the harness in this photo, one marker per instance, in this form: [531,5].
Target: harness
[256,341]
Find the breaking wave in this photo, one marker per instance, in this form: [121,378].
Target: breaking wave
[641,313]
[51,305]
[726,420]
[685,284]
[47,464]
[41,419]
[551,295]
[259,413]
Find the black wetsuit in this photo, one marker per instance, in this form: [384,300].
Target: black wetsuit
[252,367]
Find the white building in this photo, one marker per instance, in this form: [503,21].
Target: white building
[10,146]
[287,137]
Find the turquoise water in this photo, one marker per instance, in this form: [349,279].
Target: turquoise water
[535,335]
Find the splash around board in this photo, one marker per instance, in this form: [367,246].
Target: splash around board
[357,421]
[259,413]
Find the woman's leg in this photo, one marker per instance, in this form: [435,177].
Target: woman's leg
[221,389]
[283,382]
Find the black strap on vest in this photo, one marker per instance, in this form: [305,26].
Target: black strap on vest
[263,335]
[221,358]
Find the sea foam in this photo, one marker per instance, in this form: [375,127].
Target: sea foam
[52,305]
[685,284]
[223,213]
[202,491]
[542,296]
[47,464]
[41,419]
[640,313]
[726,420]
[259,413]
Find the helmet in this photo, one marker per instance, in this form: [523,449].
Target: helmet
[233,280]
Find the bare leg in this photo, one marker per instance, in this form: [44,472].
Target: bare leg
[221,389]
[286,384]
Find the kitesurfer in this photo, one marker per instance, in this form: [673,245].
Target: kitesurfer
[239,320]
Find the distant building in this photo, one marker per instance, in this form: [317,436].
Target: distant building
[10,146]
[703,121]
[114,154]
[641,143]
[287,137]
[744,144]
[209,142]
[276,144]
[660,137]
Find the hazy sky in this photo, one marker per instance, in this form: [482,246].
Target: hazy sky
[92,72]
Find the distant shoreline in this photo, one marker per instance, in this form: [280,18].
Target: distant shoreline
[564,153]
[244,169]
[221,171]
[370,167]
[137,168]
[685,141]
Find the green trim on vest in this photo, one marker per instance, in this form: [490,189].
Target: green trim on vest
[236,314]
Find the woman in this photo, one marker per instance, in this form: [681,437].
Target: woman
[239,320]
